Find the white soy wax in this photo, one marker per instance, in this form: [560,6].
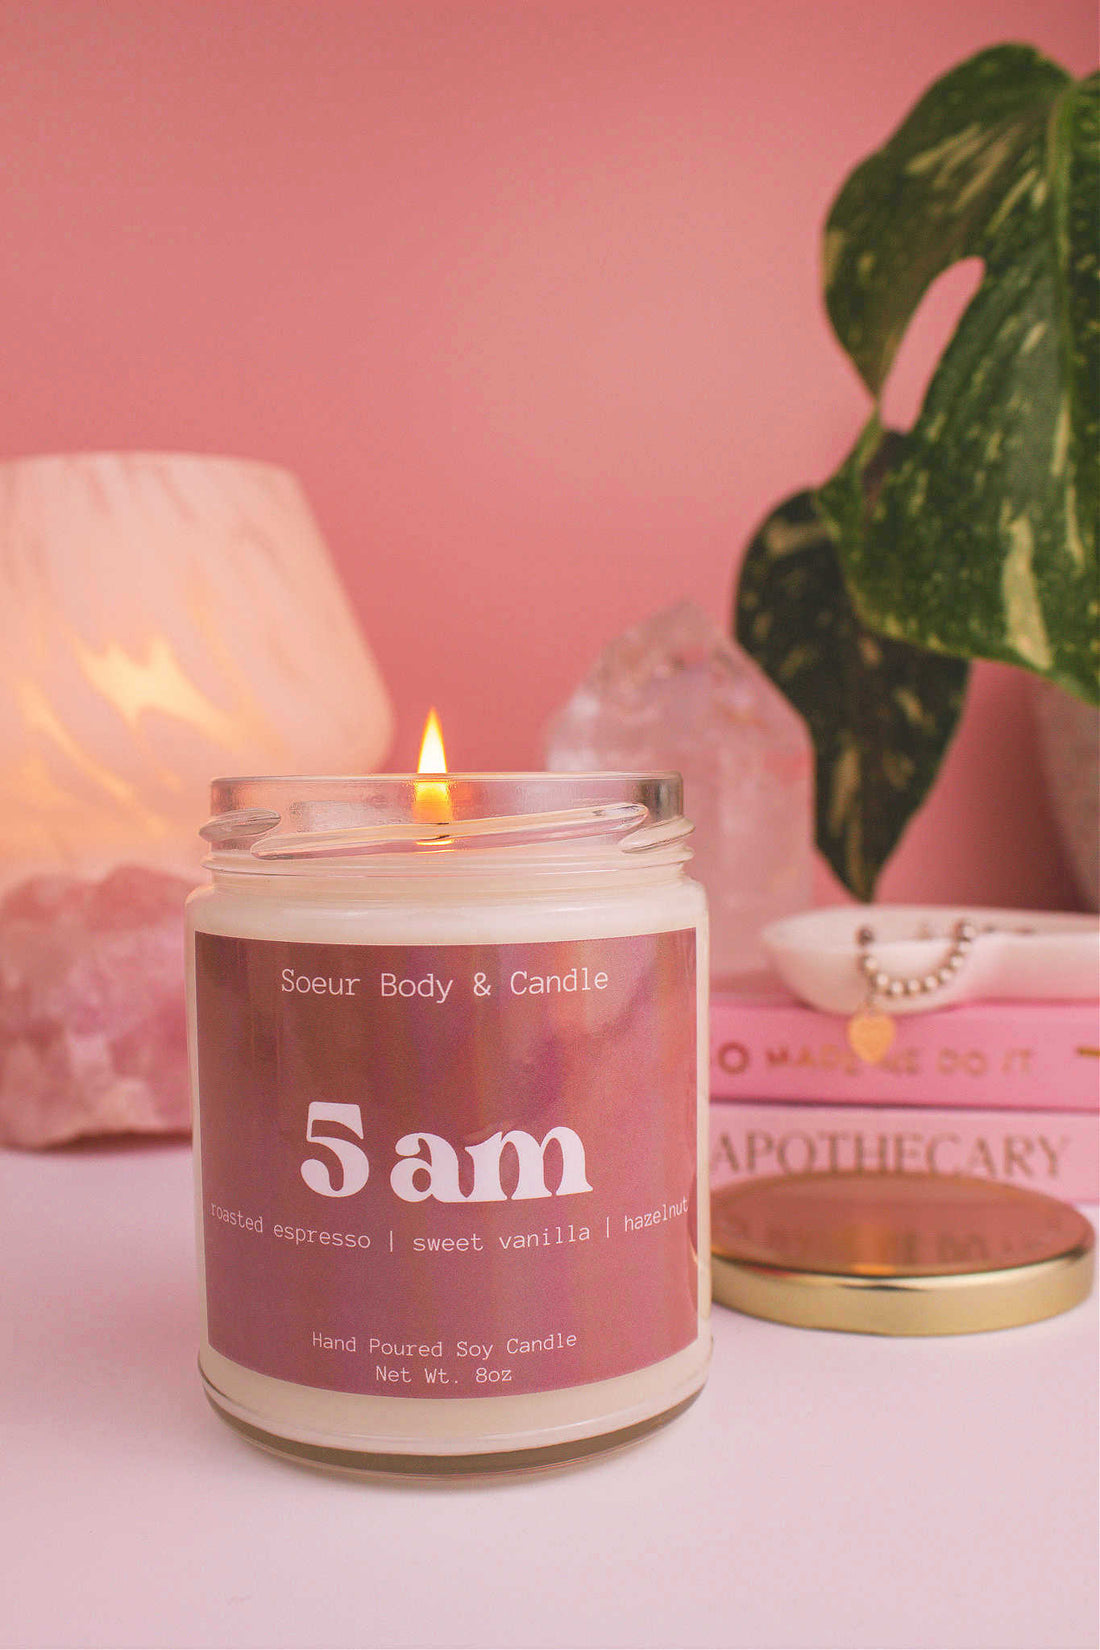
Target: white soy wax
[450,1117]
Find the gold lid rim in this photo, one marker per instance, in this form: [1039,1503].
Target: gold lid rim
[962,1304]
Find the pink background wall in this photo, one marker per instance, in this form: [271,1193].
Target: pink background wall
[526,293]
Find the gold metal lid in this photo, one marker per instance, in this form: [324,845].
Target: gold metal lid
[898,1254]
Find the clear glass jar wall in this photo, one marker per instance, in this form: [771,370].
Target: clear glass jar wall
[448,1043]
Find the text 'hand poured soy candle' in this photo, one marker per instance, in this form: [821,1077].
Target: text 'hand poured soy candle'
[448,1043]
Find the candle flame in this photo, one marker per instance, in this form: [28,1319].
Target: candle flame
[432,803]
[433,758]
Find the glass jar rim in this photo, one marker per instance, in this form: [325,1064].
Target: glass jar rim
[304,817]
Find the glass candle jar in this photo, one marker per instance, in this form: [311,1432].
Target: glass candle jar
[448,1043]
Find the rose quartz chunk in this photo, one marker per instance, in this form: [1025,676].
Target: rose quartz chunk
[677,693]
[92,1028]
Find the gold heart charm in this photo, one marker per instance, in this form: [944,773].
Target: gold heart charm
[870,1035]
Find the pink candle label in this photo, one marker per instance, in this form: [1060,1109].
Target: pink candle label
[449,1171]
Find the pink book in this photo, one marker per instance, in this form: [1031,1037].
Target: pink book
[1019,1055]
[1050,1151]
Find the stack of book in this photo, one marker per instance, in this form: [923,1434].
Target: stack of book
[1005,1090]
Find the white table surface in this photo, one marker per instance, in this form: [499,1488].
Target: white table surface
[826,1489]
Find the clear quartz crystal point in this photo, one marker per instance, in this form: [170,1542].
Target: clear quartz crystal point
[676,692]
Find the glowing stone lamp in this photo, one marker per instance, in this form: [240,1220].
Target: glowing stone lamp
[166,618]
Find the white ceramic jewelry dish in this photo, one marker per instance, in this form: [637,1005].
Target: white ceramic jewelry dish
[1031,955]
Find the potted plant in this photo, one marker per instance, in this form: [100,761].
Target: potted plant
[974,534]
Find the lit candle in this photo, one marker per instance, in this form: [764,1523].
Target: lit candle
[450,1116]
[432,803]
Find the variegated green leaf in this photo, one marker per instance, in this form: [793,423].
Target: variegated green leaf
[881,713]
[983,542]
